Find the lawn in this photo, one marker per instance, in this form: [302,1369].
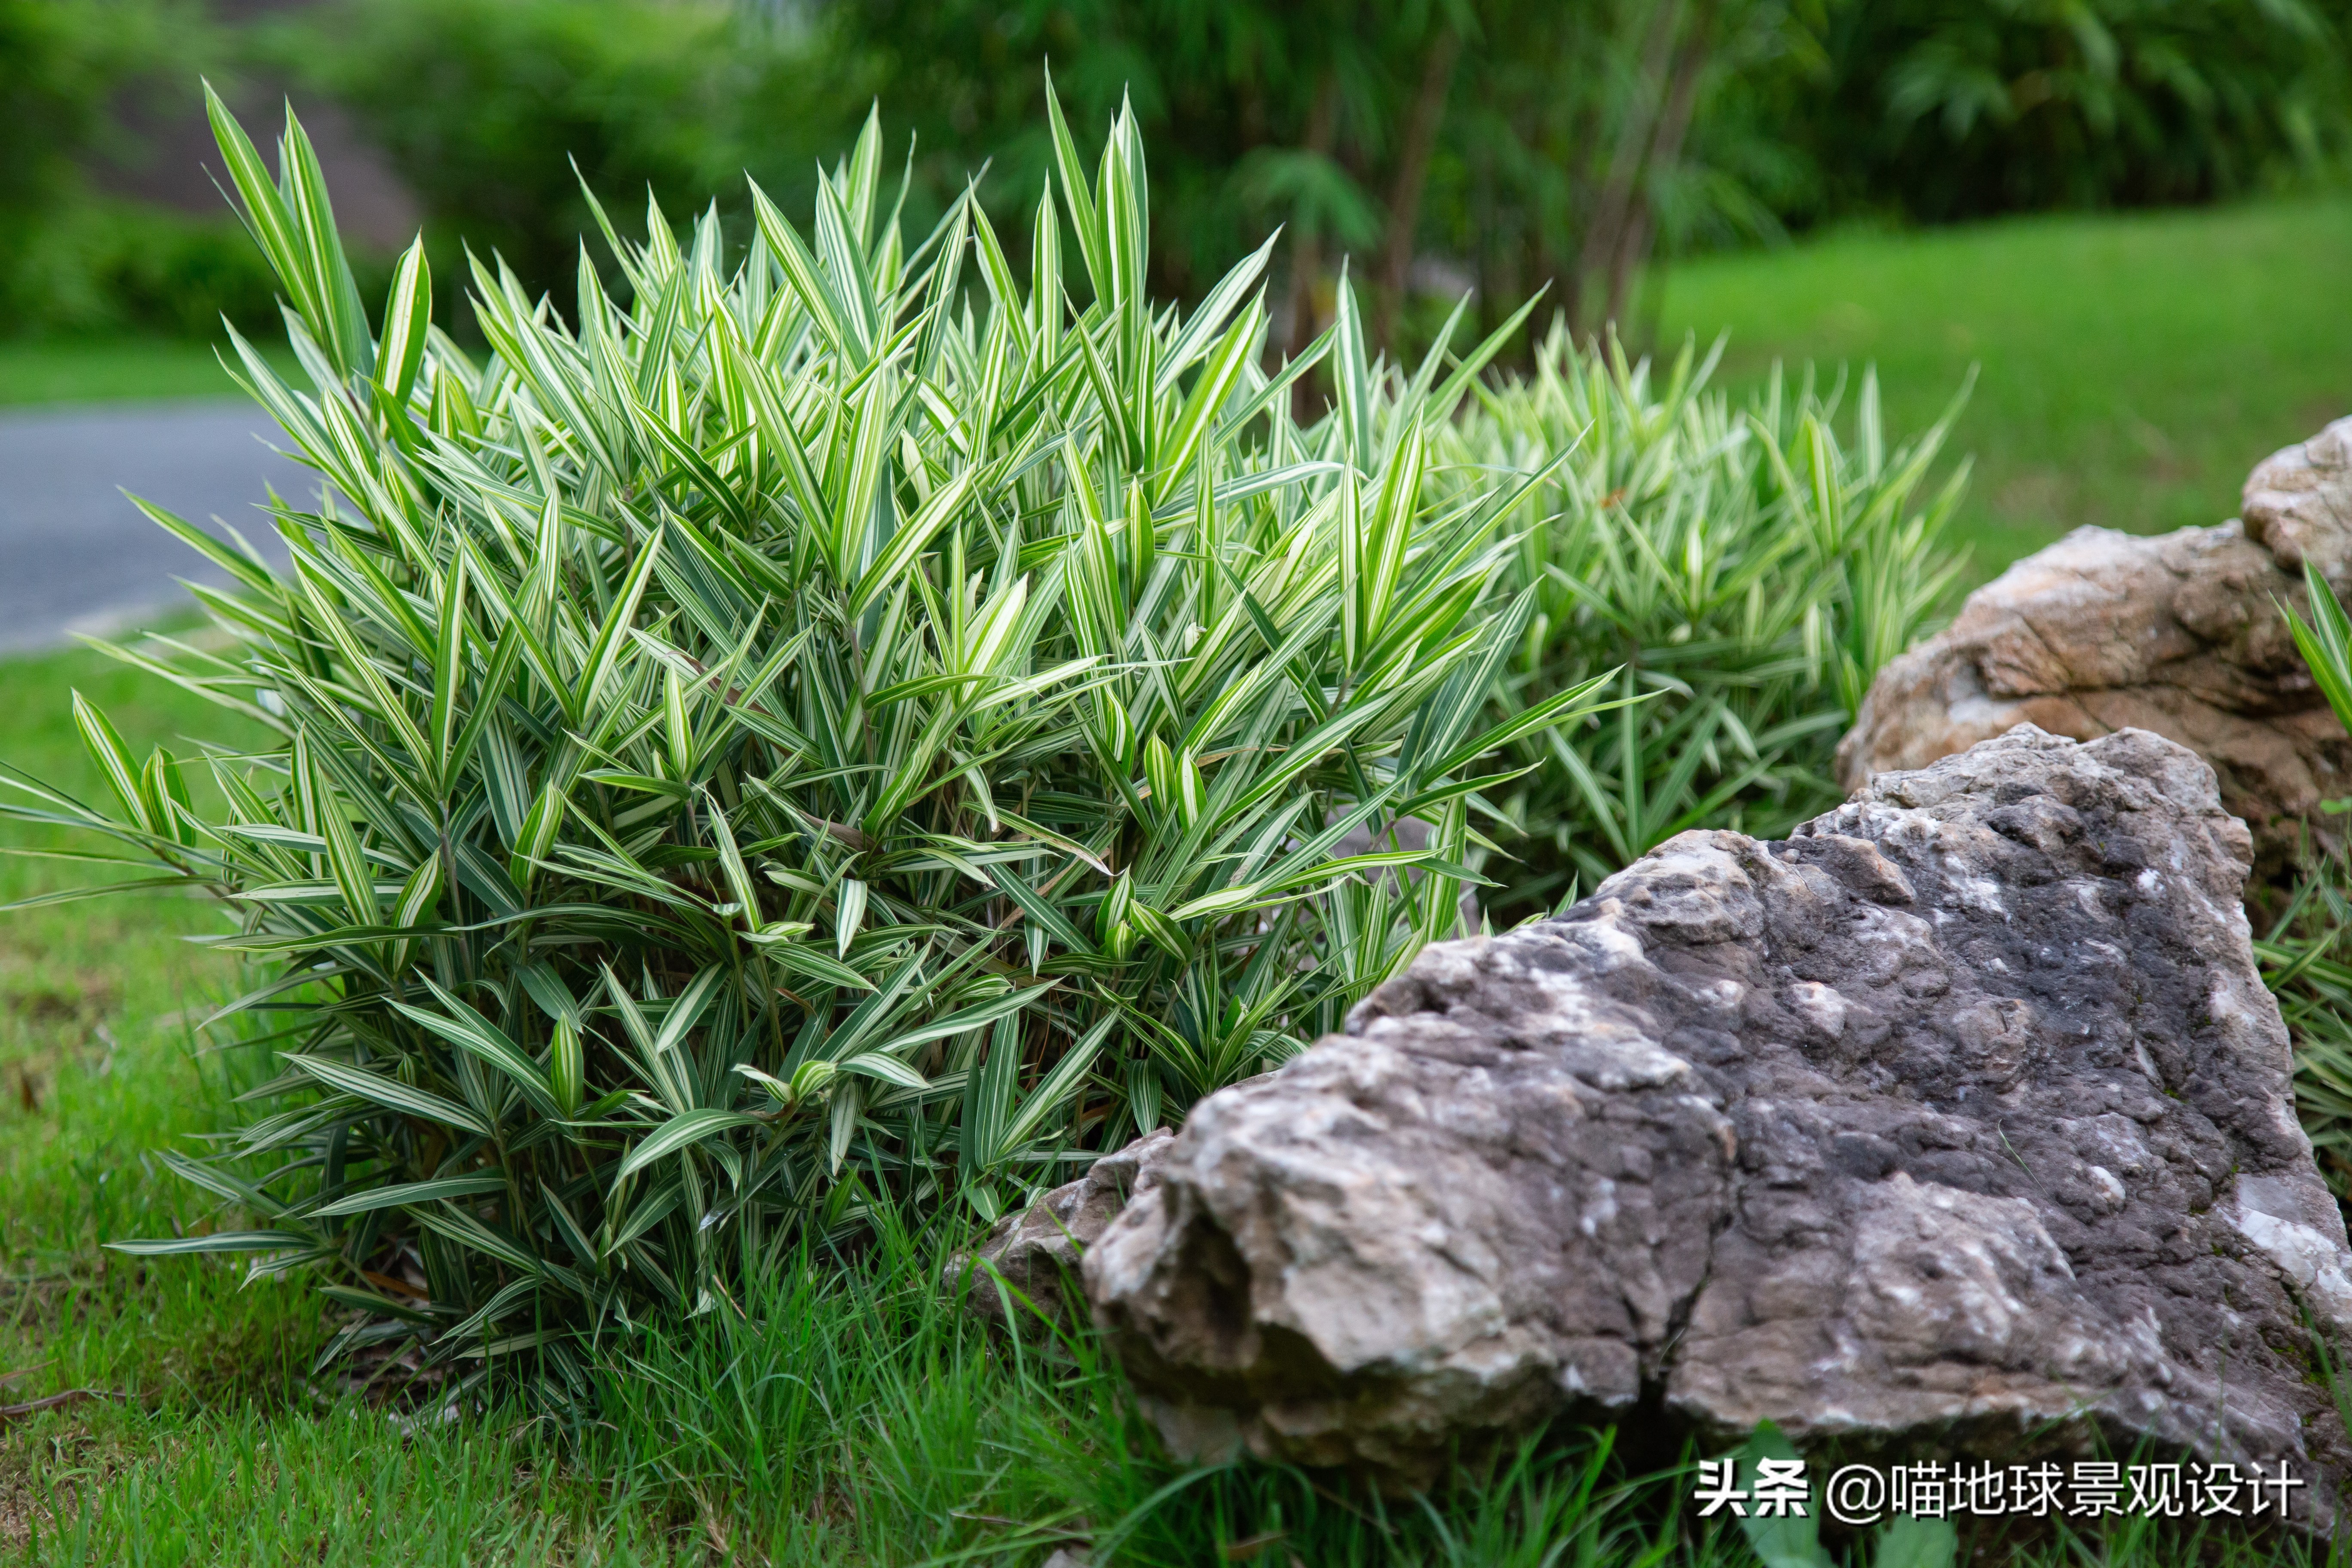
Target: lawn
[2131,368]
[76,370]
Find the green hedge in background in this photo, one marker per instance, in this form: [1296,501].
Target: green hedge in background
[73,260]
[1519,145]
[496,112]
[110,266]
[1516,145]
[62,63]
[1941,110]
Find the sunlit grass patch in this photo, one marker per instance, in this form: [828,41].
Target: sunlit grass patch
[2134,365]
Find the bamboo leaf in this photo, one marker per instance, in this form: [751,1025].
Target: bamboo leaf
[390,1092]
[400,1195]
[464,1027]
[681,1133]
[407,315]
[218,1241]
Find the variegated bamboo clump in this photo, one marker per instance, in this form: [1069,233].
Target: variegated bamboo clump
[835,728]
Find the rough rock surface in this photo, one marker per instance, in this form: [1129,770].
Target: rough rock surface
[1959,1122]
[1035,1251]
[2180,635]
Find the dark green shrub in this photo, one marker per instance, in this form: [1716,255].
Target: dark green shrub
[487,107]
[1949,108]
[67,261]
[116,267]
[62,64]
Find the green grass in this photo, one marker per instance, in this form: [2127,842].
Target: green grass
[2133,367]
[99,370]
[98,1070]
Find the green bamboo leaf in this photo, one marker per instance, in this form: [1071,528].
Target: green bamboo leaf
[1078,192]
[849,914]
[1216,310]
[535,836]
[353,879]
[842,255]
[247,569]
[915,533]
[449,670]
[218,1241]
[1224,902]
[1392,528]
[446,1219]
[383,703]
[889,1069]
[489,695]
[681,1133]
[483,1185]
[567,1067]
[786,948]
[265,215]
[1004,292]
[106,748]
[687,1010]
[221,1183]
[1322,871]
[468,1030]
[988,1108]
[1039,908]
[390,1092]
[1552,710]
[1047,301]
[604,654]
[1205,403]
[407,315]
[1058,1087]
[337,320]
[802,272]
[2325,641]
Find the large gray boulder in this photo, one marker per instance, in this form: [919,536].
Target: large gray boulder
[2179,634]
[1959,1122]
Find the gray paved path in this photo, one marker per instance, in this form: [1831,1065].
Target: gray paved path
[76,556]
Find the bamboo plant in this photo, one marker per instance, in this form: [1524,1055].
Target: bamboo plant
[833,727]
[1737,570]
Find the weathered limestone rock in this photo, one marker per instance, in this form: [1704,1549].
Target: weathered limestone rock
[2180,635]
[1959,1122]
[1034,1251]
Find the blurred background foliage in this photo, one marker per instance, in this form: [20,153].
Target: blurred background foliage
[1431,147]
